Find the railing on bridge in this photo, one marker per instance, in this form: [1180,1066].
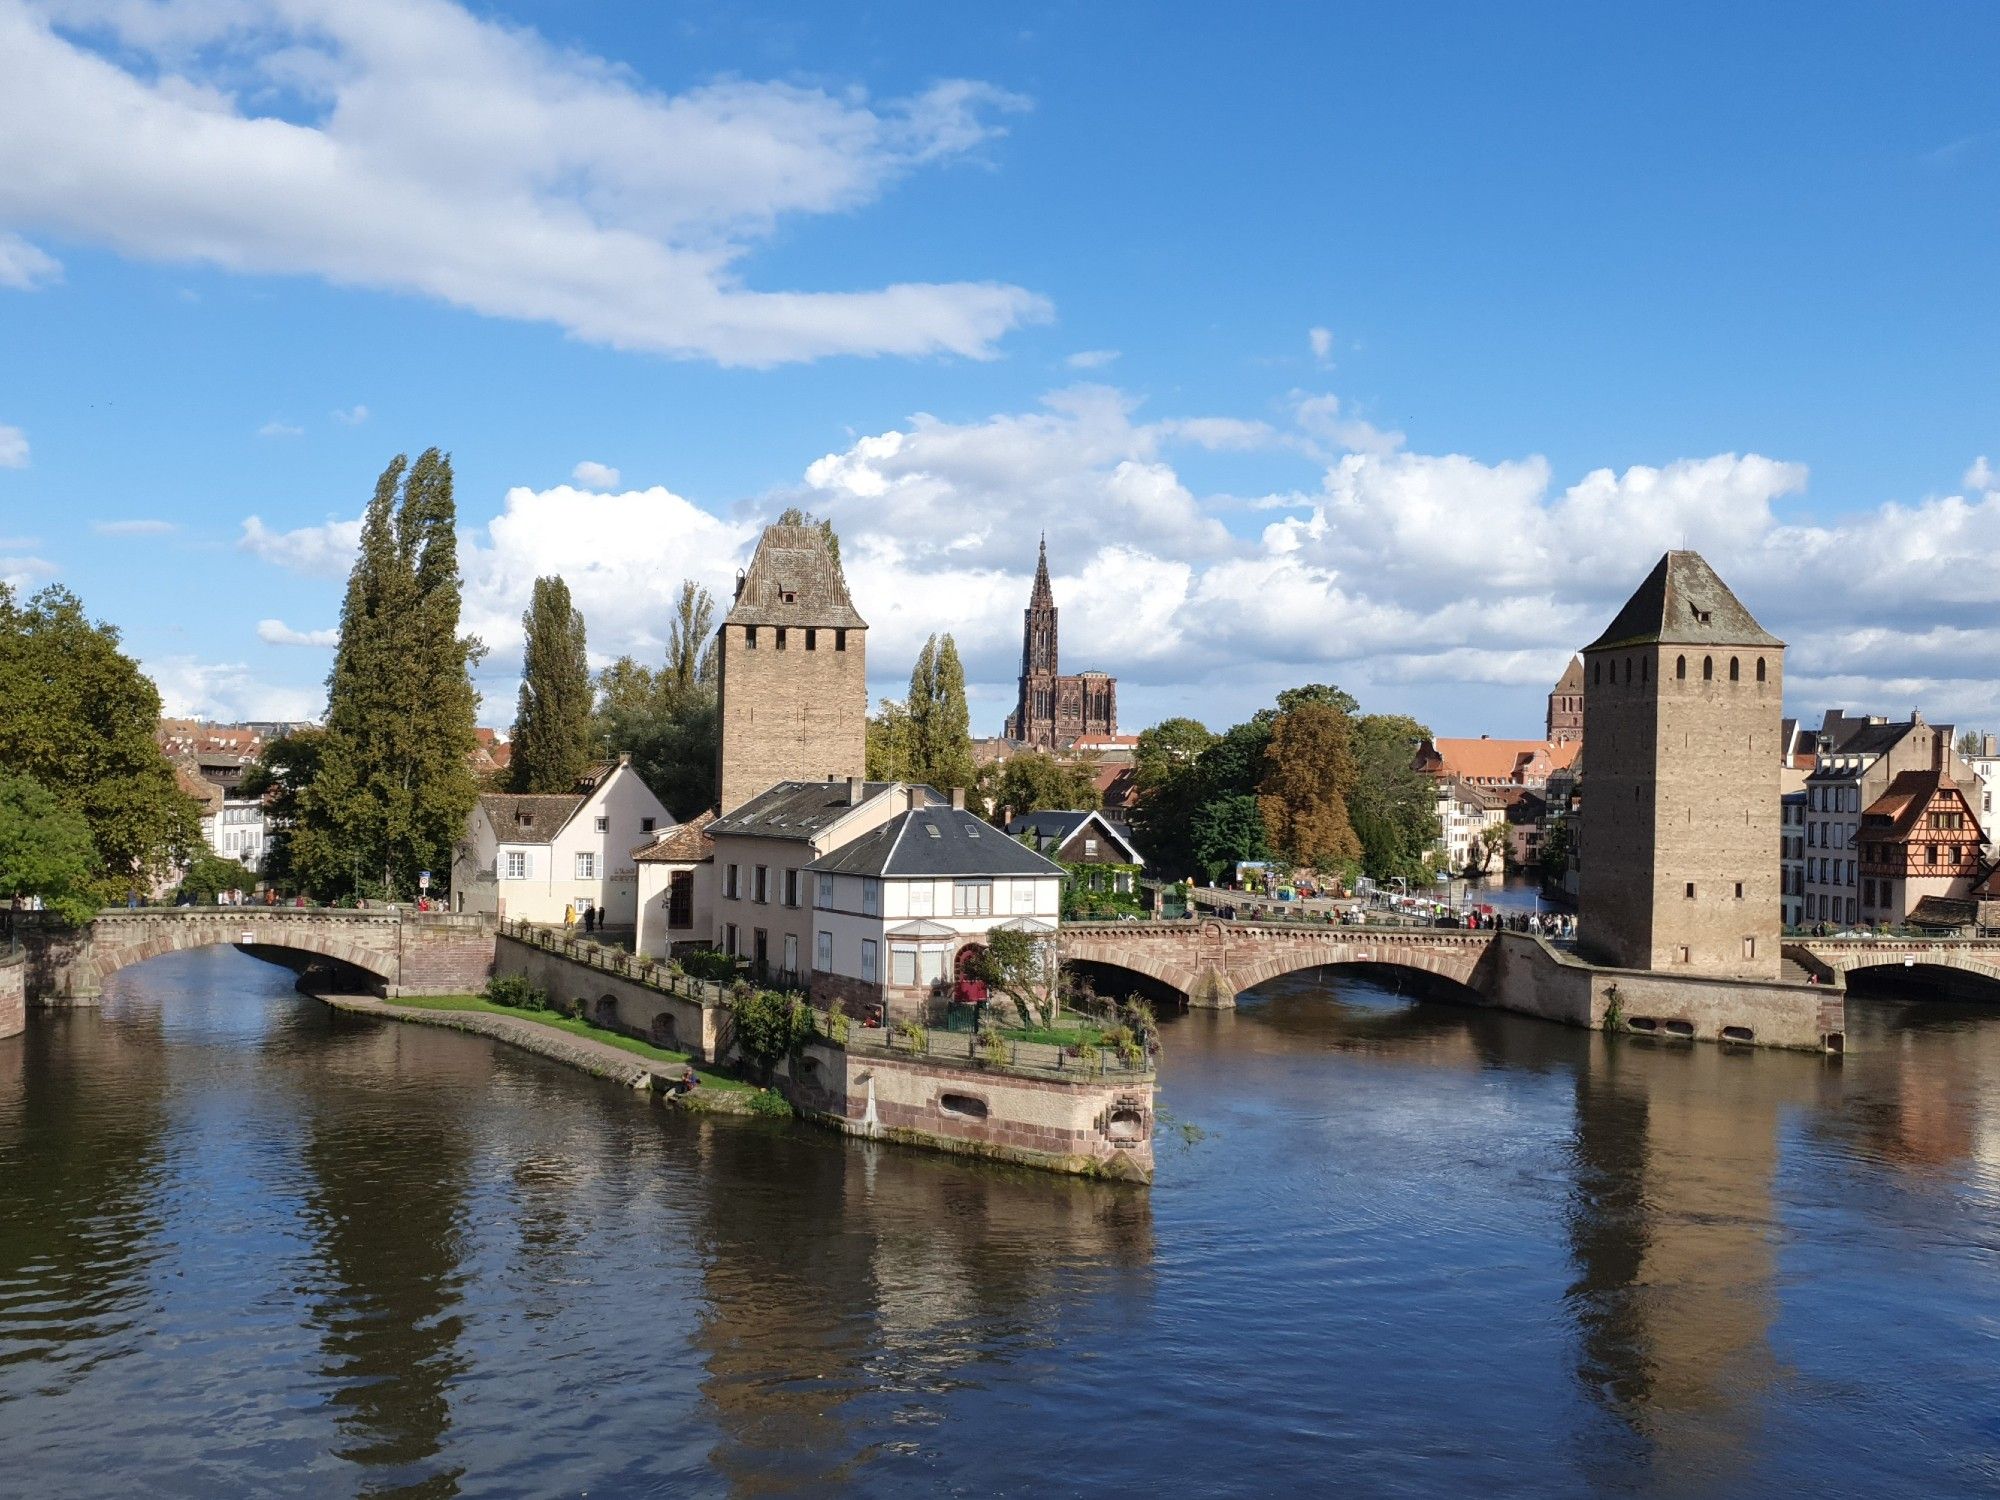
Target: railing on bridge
[1896,936]
[640,968]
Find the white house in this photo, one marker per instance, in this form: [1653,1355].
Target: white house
[536,856]
[899,911]
[676,888]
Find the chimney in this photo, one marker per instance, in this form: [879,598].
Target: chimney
[1986,746]
[913,798]
[854,791]
[958,799]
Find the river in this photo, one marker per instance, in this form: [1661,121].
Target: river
[251,1247]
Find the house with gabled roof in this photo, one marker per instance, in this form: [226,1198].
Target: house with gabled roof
[540,856]
[899,913]
[1102,862]
[676,888]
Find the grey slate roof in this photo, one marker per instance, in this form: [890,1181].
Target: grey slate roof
[793,580]
[529,818]
[1057,828]
[1683,603]
[800,809]
[935,841]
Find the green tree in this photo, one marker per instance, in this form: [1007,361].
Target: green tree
[1026,970]
[284,770]
[919,707]
[209,876]
[78,717]
[889,742]
[552,727]
[691,639]
[949,732]
[1037,782]
[1392,805]
[793,516]
[1169,786]
[46,850]
[1553,858]
[1309,772]
[395,782]
[669,719]
[1970,743]
[1323,693]
[1228,831]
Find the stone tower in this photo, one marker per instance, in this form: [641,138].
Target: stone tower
[792,679]
[1053,710]
[1566,705]
[1682,703]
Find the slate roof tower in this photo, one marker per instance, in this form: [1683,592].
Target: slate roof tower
[792,674]
[1678,868]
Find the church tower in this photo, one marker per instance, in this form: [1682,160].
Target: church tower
[1566,705]
[793,684]
[1034,720]
[1682,702]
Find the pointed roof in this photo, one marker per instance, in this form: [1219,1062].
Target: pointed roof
[1043,596]
[1571,680]
[793,579]
[1683,603]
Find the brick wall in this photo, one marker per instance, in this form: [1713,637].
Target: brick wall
[444,956]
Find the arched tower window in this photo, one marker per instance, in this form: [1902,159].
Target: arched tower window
[1596,673]
[1708,669]
[1760,669]
[1735,672]
[1628,669]
[1644,670]
[1681,668]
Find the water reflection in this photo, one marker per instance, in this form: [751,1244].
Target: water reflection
[248,1246]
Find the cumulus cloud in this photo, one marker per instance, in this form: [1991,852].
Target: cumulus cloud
[136,527]
[277,428]
[351,416]
[595,476]
[1980,476]
[13,448]
[1321,340]
[190,687]
[1091,359]
[278,633]
[413,146]
[326,550]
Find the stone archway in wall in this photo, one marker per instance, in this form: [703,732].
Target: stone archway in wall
[1981,979]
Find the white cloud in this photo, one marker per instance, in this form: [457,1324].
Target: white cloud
[595,476]
[278,633]
[137,527]
[1321,340]
[13,448]
[412,146]
[275,428]
[25,572]
[327,550]
[1981,476]
[1091,359]
[23,268]
[350,416]
[227,690]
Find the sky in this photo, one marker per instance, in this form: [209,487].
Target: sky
[1379,345]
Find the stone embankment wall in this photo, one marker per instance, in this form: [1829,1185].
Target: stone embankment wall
[1097,1128]
[13,994]
[1529,976]
[628,1005]
[443,955]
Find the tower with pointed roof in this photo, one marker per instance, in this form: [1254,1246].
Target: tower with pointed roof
[1683,694]
[1566,706]
[1054,711]
[791,670]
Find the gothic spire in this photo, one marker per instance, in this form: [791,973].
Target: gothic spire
[1043,596]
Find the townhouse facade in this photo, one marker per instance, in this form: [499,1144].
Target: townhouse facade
[542,856]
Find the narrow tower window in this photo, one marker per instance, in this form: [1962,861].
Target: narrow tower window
[1681,667]
[1708,669]
[1760,669]
[1735,672]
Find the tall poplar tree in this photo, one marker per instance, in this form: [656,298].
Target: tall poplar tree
[950,727]
[395,781]
[552,728]
[918,711]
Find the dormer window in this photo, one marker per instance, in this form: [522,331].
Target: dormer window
[790,596]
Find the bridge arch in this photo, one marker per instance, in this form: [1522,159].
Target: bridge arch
[119,943]
[1915,962]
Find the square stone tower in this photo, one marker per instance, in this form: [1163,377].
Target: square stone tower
[1682,705]
[791,670]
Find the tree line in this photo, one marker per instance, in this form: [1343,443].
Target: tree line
[1311,782]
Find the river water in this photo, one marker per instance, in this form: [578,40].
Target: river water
[250,1247]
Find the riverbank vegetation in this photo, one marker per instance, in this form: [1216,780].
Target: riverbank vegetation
[1311,781]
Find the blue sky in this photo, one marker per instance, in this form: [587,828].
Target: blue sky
[1386,346]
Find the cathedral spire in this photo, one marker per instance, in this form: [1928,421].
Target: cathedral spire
[1043,594]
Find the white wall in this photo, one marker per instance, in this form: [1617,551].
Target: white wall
[1040,898]
[551,882]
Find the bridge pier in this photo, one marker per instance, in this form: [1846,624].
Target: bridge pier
[1212,989]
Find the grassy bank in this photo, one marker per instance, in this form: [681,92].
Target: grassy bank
[579,1028]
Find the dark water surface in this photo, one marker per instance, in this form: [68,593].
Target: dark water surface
[249,1247]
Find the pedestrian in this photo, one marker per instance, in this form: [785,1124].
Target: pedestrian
[589,917]
[569,918]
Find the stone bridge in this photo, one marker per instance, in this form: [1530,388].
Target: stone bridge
[1831,960]
[404,953]
[1212,962]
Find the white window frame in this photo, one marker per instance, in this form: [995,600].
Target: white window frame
[517,864]
[603,823]
[823,898]
[586,865]
[972,898]
[922,897]
[903,963]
